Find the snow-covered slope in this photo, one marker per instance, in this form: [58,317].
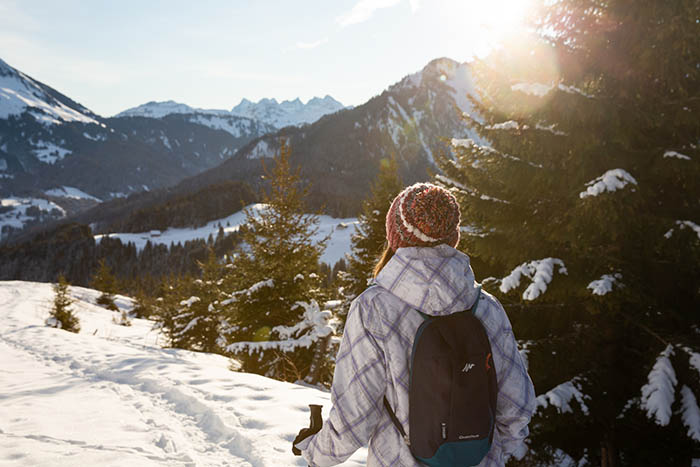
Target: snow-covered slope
[110,396]
[19,94]
[286,113]
[340,231]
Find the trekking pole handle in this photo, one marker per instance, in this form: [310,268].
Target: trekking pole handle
[315,425]
[316,418]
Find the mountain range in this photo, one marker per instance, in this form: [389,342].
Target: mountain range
[51,145]
[268,111]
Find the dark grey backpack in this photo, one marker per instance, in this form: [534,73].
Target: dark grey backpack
[452,392]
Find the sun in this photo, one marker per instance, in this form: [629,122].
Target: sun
[486,24]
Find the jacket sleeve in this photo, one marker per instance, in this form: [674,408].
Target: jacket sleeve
[516,394]
[359,384]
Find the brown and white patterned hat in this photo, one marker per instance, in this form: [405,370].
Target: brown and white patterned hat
[423,215]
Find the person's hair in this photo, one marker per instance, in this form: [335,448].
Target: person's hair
[383,259]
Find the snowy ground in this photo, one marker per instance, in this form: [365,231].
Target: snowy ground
[110,396]
[340,231]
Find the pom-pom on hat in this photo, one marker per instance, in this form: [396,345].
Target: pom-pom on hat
[423,215]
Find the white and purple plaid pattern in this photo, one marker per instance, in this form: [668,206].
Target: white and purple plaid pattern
[373,361]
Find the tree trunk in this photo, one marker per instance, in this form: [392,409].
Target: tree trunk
[317,362]
[608,454]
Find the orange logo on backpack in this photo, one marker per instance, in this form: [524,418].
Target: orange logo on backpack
[488,365]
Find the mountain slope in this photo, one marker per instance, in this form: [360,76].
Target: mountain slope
[111,396]
[340,154]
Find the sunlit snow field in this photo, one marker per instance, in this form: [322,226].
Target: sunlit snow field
[338,231]
[110,396]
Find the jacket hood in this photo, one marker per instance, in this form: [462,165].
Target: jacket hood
[434,280]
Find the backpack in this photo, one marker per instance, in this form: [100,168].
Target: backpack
[452,391]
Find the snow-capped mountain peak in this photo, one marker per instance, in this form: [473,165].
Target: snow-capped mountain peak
[288,112]
[19,94]
[267,110]
[155,109]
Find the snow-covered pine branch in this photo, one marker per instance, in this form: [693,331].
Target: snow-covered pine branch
[677,155]
[683,224]
[233,297]
[541,89]
[539,271]
[612,180]
[694,359]
[605,284]
[658,393]
[316,324]
[509,125]
[561,396]
[690,413]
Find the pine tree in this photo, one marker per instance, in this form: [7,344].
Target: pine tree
[370,237]
[61,315]
[586,204]
[274,269]
[198,316]
[105,282]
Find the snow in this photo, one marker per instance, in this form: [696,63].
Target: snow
[261,149]
[161,109]
[573,90]
[658,393]
[509,125]
[49,153]
[683,224]
[110,396]
[535,89]
[249,291]
[190,301]
[16,217]
[268,111]
[314,325]
[612,180]
[20,93]
[677,155]
[236,126]
[287,113]
[448,182]
[336,248]
[561,397]
[70,192]
[98,137]
[694,360]
[604,285]
[539,271]
[550,128]
[462,143]
[690,413]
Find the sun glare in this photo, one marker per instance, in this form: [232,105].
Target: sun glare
[485,24]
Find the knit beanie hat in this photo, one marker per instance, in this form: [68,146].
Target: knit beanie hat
[423,215]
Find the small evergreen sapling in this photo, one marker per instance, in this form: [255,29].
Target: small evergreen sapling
[105,282]
[61,314]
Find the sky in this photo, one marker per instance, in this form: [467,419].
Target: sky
[110,56]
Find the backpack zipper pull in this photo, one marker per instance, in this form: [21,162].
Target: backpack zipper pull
[443,427]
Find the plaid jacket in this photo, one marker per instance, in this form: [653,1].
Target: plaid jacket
[373,361]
